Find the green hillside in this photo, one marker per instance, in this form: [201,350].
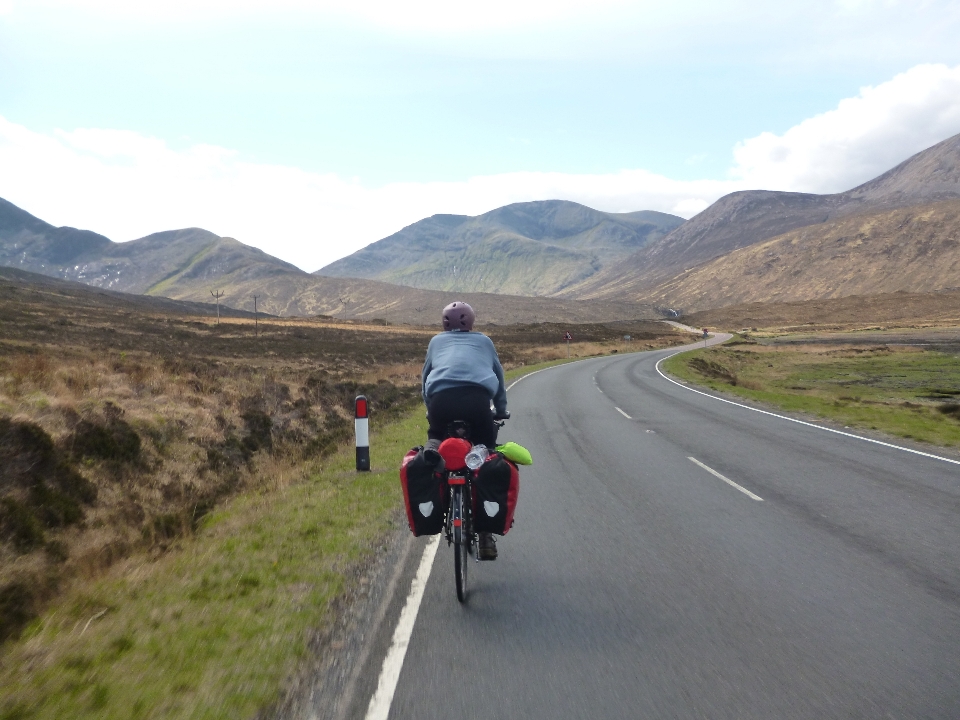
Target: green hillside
[170,263]
[535,248]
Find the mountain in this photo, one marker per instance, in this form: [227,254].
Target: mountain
[896,232]
[30,243]
[150,265]
[189,264]
[742,219]
[68,294]
[913,249]
[345,298]
[533,248]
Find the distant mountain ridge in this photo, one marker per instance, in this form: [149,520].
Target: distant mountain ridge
[144,266]
[744,218]
[912,249]
[900,231]
[188,264]
[532,248]
[28,242]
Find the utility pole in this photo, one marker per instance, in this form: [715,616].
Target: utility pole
[344,304]
[218,294]
[256,322]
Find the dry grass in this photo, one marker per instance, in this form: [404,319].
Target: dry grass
[909,392]
[202,430]
[155,418]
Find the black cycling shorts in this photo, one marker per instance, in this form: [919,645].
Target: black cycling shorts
[470,403]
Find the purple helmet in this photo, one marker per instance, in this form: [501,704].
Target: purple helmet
[458,316]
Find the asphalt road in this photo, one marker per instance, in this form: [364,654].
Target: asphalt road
[638,584]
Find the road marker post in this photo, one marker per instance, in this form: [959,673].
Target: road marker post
[362,430]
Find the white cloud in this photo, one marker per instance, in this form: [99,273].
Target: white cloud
[419,15]
[126,185]
[863,137]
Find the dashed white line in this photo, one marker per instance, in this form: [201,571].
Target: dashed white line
[623,413]
[727,480]
[379,707]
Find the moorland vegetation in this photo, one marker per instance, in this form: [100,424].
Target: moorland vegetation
[869,380]
[122,427]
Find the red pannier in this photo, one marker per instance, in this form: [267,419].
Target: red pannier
[424,493]
[495,495]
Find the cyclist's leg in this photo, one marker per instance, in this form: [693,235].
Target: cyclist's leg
[470,403]
[442,409]
[477,412]
[475,409]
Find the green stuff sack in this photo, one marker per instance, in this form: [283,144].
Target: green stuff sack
[515,453]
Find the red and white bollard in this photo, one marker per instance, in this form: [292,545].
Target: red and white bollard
[362,430]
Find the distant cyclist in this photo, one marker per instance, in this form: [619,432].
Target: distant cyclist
[461,376]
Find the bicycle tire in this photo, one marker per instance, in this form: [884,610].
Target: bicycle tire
[460,544]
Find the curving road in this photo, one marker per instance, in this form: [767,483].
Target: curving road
[675,556]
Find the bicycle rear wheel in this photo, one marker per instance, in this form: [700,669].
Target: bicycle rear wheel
[461,541]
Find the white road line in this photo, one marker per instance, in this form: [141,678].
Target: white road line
[801,422]
[623,413]
[379,707]
[524,377]
[727,480]
[380,703]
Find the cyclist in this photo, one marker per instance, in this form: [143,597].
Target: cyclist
[461,376]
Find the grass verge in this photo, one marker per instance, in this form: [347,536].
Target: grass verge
[213,628]
[907,392]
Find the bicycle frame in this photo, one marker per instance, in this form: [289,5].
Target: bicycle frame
[458,526]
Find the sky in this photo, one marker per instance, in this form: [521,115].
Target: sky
[310,129]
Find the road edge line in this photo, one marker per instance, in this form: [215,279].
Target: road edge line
[794,420]
[524,377]
[379,707]
[382,699]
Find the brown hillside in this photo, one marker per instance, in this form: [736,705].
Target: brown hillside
[910,249]
[355,299]
[899,309]
[742,219]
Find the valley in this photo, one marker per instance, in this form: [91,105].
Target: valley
[127,421]
[557,261]
[161,455]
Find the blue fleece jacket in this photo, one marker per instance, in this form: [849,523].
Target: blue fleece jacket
[457,359]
